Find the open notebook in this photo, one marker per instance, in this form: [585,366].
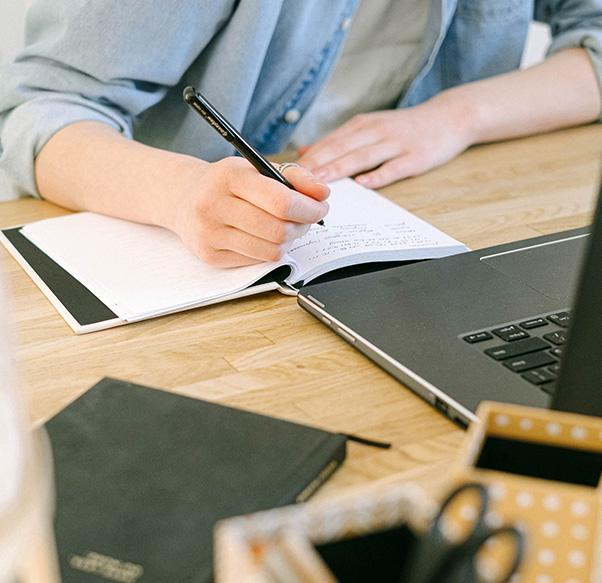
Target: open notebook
[138,271]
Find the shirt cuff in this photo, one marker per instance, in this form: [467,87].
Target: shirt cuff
[27,129]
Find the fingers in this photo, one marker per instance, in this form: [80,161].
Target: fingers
[361,160]
[245,244]
[320,158]
[240,217]
[280,201]
[244,216]
[226,259]
[396,169]
[305,182]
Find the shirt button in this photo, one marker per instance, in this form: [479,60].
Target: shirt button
[346,24]
[292,116]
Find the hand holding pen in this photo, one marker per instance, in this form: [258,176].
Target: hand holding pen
[233,215]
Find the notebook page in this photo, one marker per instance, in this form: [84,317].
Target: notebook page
[136,270]
[362,226]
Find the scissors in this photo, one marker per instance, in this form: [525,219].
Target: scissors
[437,559]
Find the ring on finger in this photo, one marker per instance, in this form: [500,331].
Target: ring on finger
[283,167]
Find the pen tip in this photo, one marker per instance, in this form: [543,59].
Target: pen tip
[321,223]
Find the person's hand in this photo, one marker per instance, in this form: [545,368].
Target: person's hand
[385,146]
[230,215]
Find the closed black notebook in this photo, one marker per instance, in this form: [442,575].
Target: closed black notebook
[143,475]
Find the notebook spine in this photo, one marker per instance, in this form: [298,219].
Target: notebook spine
[324,474]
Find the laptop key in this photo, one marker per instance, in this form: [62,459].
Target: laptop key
[561,319]
[517,348]
[529,361]
[554,369]
[477,337]
[558,338]
[549,388]
[510,333]
[539,376]
[557,352]
[533,323]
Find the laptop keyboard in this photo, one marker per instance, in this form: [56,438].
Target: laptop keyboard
[531,348]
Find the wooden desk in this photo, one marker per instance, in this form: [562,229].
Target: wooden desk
[268,355]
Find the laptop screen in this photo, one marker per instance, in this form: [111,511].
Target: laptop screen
[579,388]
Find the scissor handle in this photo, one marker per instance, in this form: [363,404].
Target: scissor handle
[437,559]
[518,555]
[462,567]
[434,552]
[483,506]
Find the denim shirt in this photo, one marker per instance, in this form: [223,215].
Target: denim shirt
[261,62]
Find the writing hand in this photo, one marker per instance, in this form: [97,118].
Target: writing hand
[230,215]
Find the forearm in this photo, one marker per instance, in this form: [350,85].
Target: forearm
[90,166]
[562,91]
[225,212]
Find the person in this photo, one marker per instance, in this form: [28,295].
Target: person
[417,83]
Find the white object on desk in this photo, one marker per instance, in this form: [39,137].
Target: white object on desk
[26,541]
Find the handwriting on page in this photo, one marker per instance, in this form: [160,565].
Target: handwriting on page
[363,226]
[342,240]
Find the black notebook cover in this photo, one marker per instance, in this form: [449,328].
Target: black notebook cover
[88,312]
[77,299]
[143,475]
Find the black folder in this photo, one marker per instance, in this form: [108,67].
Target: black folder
[143,475]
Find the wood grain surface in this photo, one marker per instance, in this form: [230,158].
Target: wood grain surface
[267,355]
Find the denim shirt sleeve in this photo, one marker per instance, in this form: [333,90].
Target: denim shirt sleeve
[93,60]
[574,23]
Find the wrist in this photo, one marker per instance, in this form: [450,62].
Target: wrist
[183,175]
[463,112]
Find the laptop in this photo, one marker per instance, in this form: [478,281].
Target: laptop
[492,324]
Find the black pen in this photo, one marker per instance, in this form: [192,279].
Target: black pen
[225,129]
